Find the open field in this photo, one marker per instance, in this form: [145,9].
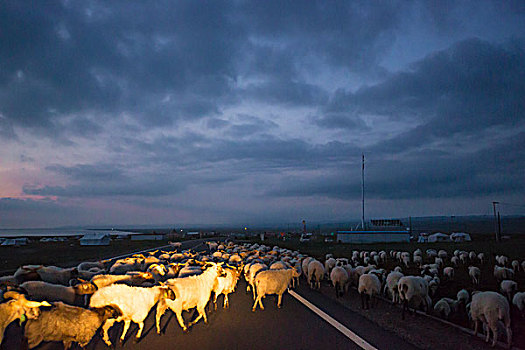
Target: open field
[67,253]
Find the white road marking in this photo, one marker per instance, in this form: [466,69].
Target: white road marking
[363,344]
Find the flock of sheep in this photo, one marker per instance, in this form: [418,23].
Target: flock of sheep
[70,304]
[367,271]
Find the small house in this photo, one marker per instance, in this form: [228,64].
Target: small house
[95,239]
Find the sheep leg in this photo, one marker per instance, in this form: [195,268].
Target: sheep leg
[476,327]
[139,333]
[226,302]
[202,314]
[178,313]
[161,308]
[125,330]
[405,306]
[509,336]
[107,325]
[279,300]
[362,301]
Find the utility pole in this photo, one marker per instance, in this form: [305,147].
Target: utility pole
[363,192]
[496,223]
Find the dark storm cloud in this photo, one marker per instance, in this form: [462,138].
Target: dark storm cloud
[425,176]
[470,87]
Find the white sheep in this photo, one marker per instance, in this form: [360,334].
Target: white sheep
[391,285]
[489,308]
[481,258]
[463,296]
[67,324]
[442,254]
[329,264]
[475,274]
[43,291]
[455,260]
[445,306]
[508,288]
[304,265]
[448,272]
[133,303]
[413,290]
[252,272]
[225,285]
[315,274]
[57,275]
[340,279]
[16,308]
[503,273]
[519,302]
[369,286]
[515,265]
[273,282]
[190,292]
[418,260]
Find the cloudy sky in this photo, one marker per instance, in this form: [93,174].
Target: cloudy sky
[240,112]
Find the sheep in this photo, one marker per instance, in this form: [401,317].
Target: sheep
[519,302]
[463,296]
[278,265]
[475,274]
[508,288]
[16,308]
[133,303]
[369,286]
[463,256]
[481,258]
[503,273]
[472,256]
[131,278]
[121,266]
[225,285]
[27,273]
[329,265]
[391,285]
[489,308]
[39,290]
[252,272]
[523,265]
[515,265]
[502,260]
[339,278]
[418,260]
[442,254]
[67,324]
[272,282]
[448,272]
[190,292]
[57,275]
[413,289]
[445,306]
[304,265]
[87,265]
[455,260]
[315,274]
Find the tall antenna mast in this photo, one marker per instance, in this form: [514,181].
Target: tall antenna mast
[363,191]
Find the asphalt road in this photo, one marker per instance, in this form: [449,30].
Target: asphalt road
[294,326]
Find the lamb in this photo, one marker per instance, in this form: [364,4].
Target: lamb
[503,273]
[369,286]
[519,302]
[508,288]
[225,285]
[475,274]
[16,308]
[190,292]
[391,285]
[272,282]
[489,308]
[67,324]
[413,289]
[315,274]
[339,278]
[133,303]
[39,290]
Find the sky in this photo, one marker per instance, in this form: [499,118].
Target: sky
[257,112]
